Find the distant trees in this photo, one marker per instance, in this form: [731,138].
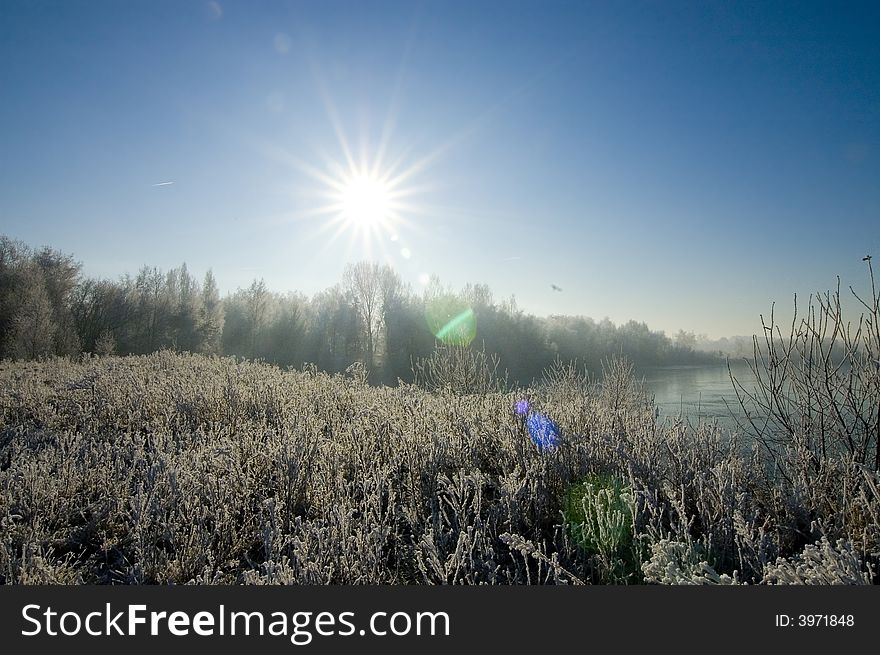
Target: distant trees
[151,311]
[185,300]
[247,313]
[685,340]
[334,330]
[59,274]
[47,307]
[100,311]
[406,337]
[32,331]
[256,303]
[210,316]
[35,308]
[285,338]
[518,339]
[374,290]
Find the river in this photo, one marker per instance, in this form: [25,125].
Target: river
[696,392]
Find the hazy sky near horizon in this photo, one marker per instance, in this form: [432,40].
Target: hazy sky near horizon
[683,164]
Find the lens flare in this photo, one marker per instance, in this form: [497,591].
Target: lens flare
[543,431]
[451,320]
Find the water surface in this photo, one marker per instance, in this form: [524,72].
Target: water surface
[697,392]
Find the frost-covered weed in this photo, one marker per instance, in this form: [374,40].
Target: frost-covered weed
[174,468]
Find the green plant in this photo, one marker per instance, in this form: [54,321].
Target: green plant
[598,514]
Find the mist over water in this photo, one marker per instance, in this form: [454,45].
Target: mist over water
[697,392]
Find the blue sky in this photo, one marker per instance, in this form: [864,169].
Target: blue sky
[681,164]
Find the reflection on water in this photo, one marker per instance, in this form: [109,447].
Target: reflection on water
[697,391]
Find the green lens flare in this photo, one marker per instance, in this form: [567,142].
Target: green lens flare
[451,320]
[459,327]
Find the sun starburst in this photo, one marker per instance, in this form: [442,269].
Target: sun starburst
[366,202]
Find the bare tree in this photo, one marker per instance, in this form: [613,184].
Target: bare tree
[210,317]
[817,388]
[257,300]
[371,286]
[152,311]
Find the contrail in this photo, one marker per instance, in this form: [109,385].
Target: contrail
[162,184]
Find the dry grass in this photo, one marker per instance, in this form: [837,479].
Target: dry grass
[173,468]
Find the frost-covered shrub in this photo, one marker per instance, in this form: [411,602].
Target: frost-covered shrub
[174,468]
[679,563]
[822,563]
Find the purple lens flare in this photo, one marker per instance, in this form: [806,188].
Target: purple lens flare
[543,431]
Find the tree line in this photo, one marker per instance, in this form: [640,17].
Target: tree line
[49,307]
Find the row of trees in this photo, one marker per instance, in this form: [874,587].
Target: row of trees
[36,289]
[148,312]
[372,316]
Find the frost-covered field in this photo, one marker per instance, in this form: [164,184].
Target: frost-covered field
[174,468]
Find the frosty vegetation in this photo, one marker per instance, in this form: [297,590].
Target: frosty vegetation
[193,467]
[183,468]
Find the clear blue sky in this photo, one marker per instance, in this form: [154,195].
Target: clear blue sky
[681,164]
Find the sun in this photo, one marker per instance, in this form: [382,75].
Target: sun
[369,199]
[366,202]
